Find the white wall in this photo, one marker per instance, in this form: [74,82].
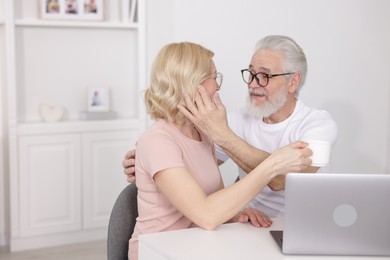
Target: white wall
[346,43]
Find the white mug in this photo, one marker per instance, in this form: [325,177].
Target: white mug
[321,152]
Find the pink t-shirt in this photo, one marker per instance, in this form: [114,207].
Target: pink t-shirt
[161,147]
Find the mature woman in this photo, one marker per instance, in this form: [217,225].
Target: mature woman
[178,180]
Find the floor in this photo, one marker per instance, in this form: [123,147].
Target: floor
[85,251]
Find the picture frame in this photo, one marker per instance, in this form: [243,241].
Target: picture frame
[79,10]
[98,99]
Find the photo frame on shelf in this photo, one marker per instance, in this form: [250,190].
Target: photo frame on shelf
[98,99]
[80,10]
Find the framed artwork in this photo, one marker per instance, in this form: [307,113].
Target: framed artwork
[71,9]
[98,99]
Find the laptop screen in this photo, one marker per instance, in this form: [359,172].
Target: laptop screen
[337,214]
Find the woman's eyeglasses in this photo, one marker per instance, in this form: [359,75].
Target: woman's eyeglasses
[218,78]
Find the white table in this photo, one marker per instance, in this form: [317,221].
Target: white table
[229,241]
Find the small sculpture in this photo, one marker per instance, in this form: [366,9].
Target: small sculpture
[51,113]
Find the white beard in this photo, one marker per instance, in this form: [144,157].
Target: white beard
[271,105]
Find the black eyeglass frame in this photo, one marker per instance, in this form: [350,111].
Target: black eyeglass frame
[268,76]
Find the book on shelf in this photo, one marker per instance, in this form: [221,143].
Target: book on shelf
[129,11]
[125,10]
[133,11]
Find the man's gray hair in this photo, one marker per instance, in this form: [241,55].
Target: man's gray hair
[294,57]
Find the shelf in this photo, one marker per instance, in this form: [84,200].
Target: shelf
[75,24]
[77,126]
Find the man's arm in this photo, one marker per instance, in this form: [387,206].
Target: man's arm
[209,115]
[243,154]
[248,157]
[279,182]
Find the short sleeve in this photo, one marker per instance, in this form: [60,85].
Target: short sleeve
[157,151]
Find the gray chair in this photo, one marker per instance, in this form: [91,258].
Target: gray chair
[122,222]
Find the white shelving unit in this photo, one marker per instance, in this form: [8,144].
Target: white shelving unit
[109,25]
[65,176]
[3,189]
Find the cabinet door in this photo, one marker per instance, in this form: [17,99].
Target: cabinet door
[103,173]
[50,178]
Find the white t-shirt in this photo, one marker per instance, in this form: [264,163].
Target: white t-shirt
[304,123]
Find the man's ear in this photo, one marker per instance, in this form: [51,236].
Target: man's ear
[294,82]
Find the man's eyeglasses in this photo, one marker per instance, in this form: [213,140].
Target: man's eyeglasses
[261,77]
[218,78]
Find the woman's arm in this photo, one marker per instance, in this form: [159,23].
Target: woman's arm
[208,212]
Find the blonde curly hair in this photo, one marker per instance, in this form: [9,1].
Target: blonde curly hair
[178,68]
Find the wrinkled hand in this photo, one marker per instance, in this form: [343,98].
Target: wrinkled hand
[128,164]
[255,217]
[291,158]
[208,114]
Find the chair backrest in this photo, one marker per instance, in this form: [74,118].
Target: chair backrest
[122,222]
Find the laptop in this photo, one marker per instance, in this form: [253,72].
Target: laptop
[336,214]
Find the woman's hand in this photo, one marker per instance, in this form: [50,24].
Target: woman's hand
[291,158]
